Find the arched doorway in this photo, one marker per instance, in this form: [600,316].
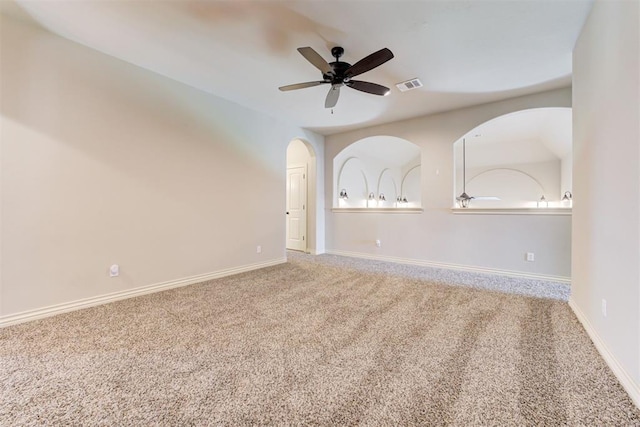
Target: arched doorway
[300,196]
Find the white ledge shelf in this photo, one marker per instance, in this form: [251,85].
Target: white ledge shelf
[511,211]
[378,210]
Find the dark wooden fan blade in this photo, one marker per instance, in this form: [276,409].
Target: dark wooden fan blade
[368,87]
[369,63]
[300,86]
[332,97]
[315,59]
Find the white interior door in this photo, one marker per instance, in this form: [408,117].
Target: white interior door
[297,208]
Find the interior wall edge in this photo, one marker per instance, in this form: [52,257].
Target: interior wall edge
[625,379]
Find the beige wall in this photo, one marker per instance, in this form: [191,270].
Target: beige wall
[606,175]
[104,162]
[496,242]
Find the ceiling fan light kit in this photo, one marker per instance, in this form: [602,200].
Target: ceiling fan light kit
[339,73]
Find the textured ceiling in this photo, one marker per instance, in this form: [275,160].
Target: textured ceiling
[465,52]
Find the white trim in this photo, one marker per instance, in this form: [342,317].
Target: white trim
[27,316]
[424,263]
[305,204]
[378,210]
[511,211]
[626,380]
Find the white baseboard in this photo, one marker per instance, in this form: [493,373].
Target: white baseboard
[423,263]
[627,382]
[27,316]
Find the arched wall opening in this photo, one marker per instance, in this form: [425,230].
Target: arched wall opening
[378,172]
[435,234]
[518,160]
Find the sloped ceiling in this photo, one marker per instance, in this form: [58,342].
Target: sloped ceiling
[528,136]
[465,52]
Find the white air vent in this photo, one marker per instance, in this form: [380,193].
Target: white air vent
[409,85]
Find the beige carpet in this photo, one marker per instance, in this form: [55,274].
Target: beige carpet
[310,344]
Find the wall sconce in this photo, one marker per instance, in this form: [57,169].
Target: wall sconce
[382,198]
[343,194]
[543,203]
[372,200]
[567,199]
[463,200]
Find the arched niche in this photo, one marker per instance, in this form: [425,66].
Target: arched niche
[387,189]
[512,161]
[387,165]
[352,181]
[410,187]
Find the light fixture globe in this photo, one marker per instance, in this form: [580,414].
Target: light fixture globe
[543,202]
[463,200]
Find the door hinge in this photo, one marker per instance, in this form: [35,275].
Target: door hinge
[303,238]
[304,176]
[303,207]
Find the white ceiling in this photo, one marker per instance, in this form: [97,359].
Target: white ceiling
[465,52]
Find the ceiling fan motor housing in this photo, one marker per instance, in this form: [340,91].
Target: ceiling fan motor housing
[339,69]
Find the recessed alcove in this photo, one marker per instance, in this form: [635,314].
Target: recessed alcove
[378,173]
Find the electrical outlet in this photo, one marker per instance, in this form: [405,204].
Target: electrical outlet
[258,249]
[114,270]
[604,307]
[530,257]
[378,244]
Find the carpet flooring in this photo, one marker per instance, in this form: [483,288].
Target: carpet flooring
[513,285]
[311,343]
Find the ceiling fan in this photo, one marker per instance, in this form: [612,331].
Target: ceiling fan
[339,73]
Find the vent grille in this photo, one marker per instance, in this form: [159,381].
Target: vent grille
[409,85]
